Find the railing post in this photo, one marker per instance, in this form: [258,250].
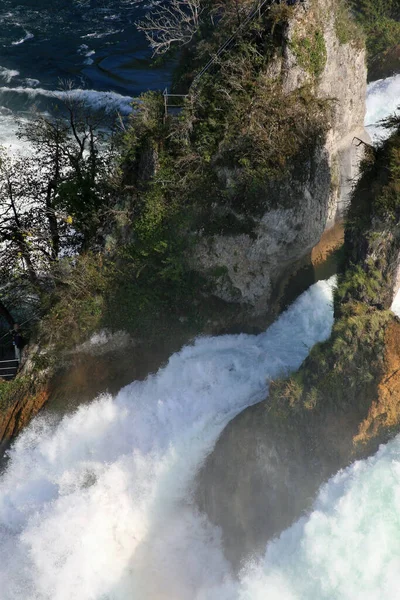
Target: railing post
[165,104]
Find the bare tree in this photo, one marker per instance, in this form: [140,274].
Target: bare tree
[173,22]
[19,222]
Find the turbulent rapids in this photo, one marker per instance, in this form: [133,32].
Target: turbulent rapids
[99,506]
[382,101]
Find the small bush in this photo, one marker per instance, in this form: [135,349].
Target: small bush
[380,20]
[77,304]
[310,52]
[347,29]
[12,391]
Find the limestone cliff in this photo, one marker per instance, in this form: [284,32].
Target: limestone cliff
[344,400]
[315,193]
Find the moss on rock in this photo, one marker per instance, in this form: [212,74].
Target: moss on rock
[345,375]
[310,51]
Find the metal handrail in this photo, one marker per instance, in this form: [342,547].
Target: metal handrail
[21,325]
[167,95]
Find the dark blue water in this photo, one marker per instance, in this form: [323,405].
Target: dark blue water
[93,43]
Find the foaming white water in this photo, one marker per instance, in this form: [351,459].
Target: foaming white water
[9,131]
[28,36]
[8,74]
[396,304]
[347,549]
[109,101]
[99,507]
[85,51]
[383,100]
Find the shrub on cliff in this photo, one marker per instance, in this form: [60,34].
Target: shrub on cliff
[238,132]
[380,20]
[343,374]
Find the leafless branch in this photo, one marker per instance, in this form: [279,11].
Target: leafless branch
[175,22]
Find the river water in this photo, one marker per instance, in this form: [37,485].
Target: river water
[44,43]
[95,45]
[100,506]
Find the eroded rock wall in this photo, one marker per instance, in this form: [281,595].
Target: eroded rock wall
[341,404]
[310,199]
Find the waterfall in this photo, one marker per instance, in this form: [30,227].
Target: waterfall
[347,548]
[99,506]
[383,100]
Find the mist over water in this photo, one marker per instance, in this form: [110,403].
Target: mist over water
[347,548]
[100,506]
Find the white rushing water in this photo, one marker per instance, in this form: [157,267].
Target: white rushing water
[29,92]
[383,100]
[99,507]
[348,548]
[396,304]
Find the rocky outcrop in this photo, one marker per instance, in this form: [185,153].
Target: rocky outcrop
[313,196]
[383,418]
[20,401]
[341,404]
[268,465]
[385,64]
[255,262]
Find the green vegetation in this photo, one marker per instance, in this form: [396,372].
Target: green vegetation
[310,52]
[340,372]
[348,30]
[371,257]
[12,391]
[380,20]
[345,370]
[109,237]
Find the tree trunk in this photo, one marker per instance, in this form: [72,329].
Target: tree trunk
[53,226]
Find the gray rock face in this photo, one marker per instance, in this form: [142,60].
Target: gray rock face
[281,236]
[254,484]
[263,474]
[311,201]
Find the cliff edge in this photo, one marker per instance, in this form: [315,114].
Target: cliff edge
[317,52]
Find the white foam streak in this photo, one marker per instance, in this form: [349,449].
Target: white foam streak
[109,101]
[27,36]
[8,74]
[100,507]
